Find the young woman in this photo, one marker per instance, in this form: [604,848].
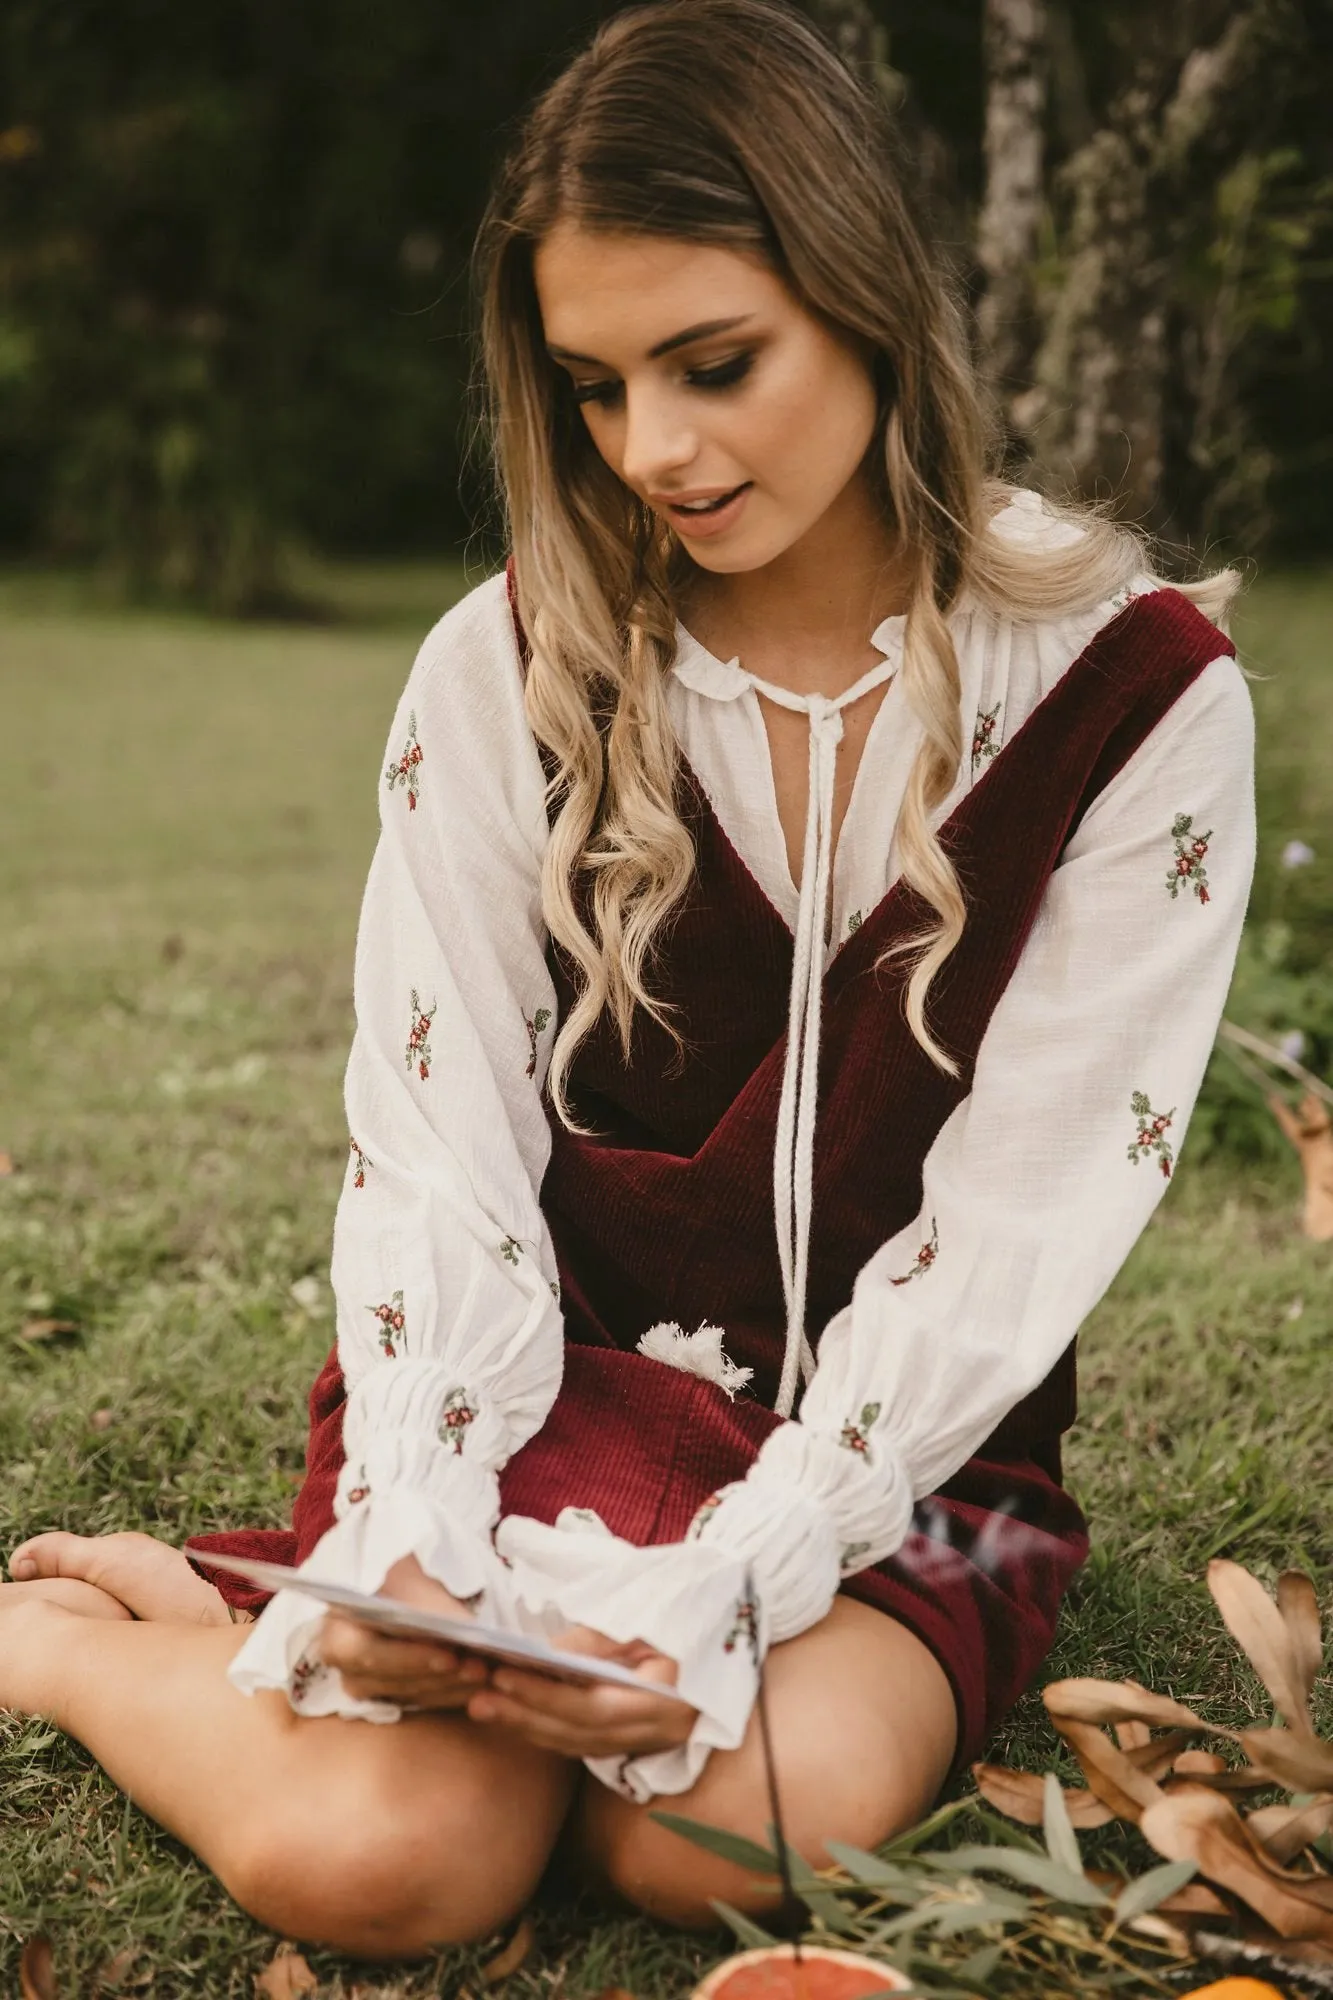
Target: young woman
[808,885]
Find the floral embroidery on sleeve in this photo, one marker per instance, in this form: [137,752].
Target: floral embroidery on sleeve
[1189,871]
[360,1161]
[853,922]
[855,1436]
[702,1516]
[457,1414]
[392,1321]
[540,1020]
[984,745]
[744,1625]
[418,1041]
[925,1257]
[850,1559]
[1152,1127]
[511,1249]
[404,772]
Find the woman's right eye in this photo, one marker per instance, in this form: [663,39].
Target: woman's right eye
[595,392]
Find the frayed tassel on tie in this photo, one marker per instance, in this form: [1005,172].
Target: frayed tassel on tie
[698,1353]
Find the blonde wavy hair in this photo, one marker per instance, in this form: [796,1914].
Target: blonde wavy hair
[733,122]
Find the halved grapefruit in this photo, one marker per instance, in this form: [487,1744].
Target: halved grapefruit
[773,1972]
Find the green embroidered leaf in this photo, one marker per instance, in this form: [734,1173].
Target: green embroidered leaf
[1061,1840]
[730,1846]
[1137,1898]
[869,1412]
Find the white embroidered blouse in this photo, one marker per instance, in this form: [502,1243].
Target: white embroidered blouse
[450,1331]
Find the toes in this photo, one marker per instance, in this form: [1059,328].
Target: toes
[54,1554]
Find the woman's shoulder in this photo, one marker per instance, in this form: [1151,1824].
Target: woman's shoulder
[473,638]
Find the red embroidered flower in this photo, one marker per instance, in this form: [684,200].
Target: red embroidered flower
[418,1040]
[1191,848]
[925,1257]
[362,1161]
[855,1436]
[404,772]
[457,1414]
[1149,1137]
[392,1320]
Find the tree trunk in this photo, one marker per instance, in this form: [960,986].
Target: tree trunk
[1008,226]
[1135,193]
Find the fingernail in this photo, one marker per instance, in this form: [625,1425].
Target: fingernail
[23,1569]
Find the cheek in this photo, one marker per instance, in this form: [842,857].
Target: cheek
[810,428]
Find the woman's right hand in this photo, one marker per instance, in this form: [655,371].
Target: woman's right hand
[415,1673]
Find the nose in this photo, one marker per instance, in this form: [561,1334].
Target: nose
[660,441]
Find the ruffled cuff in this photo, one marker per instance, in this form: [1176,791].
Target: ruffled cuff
[418,1480]
[811,1499]
[693,1604]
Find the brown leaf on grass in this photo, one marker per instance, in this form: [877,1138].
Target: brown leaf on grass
[1299,1606]
[1193,1824]
[286,1976]
[1310,1131]
[1021,1795]
[49,1329]
[1299,1764]
[37,1972]
[1116,1781]
[1087,1700]
[1199,1763]
[1285,1830]
[510,1956]
[1265,1637]
[8,1165]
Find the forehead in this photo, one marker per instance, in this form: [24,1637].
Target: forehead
[614,297]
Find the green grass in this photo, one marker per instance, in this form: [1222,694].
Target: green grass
[186,815]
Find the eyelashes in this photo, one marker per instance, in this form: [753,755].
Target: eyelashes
[724,376]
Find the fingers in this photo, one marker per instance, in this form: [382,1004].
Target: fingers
[581,1721]
[408,1671]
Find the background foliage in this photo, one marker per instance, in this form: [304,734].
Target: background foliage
[233,244]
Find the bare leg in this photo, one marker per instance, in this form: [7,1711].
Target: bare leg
[150,1578]
[864,1726]
[378,1841]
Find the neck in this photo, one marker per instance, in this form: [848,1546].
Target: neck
[804,620]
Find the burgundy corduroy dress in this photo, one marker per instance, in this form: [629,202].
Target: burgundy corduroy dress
[669,1214]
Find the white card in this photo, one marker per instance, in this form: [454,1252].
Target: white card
[408,1621]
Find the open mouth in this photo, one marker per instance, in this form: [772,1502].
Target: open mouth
[710,506]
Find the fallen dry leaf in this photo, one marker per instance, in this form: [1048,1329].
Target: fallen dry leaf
[510,1956]
[1087,1700]
[1299,1606]
[1021,1795]
[1265,1637]
[49,1329]
[37,1973]
[1285,1830]
[1299,1765]
[286,1976]
[1199,1764]
[8,1165]
[1192,1824]
[1109,1772]
[1310,1131]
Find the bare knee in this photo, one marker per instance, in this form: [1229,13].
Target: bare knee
[395,1879]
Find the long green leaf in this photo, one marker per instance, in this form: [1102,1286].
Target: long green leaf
[1144,1894]
[872,1873]
[1032,1870]
[916,1836]
[1061,1839]
[730,1846]
[747,1931]
[976,1970]
[950,1918]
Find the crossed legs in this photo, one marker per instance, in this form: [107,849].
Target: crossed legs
[384,1841]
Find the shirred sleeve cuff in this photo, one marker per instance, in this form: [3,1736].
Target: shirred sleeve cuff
[692,1603]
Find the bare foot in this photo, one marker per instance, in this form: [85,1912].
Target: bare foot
[150,1578]
[67,1593]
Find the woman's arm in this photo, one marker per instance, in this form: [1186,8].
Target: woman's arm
[449,1325]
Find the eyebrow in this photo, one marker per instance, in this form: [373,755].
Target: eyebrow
[700,332]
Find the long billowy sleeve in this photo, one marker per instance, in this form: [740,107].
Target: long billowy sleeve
[1034,1192]
[448,1318]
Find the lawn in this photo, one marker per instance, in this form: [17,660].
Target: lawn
[186,815]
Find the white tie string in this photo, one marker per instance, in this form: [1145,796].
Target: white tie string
[793,1157]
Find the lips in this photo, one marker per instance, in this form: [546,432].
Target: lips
[700,509]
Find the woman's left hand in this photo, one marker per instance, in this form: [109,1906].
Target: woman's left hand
[596,1720]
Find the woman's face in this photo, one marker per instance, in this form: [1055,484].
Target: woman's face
[702,378]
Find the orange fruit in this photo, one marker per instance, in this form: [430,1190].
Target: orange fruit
[773,1972]
[1235,1989]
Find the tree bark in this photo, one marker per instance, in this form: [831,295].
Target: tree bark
[1010,219]
[1135,190]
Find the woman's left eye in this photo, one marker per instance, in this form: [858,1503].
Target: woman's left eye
[724,374]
